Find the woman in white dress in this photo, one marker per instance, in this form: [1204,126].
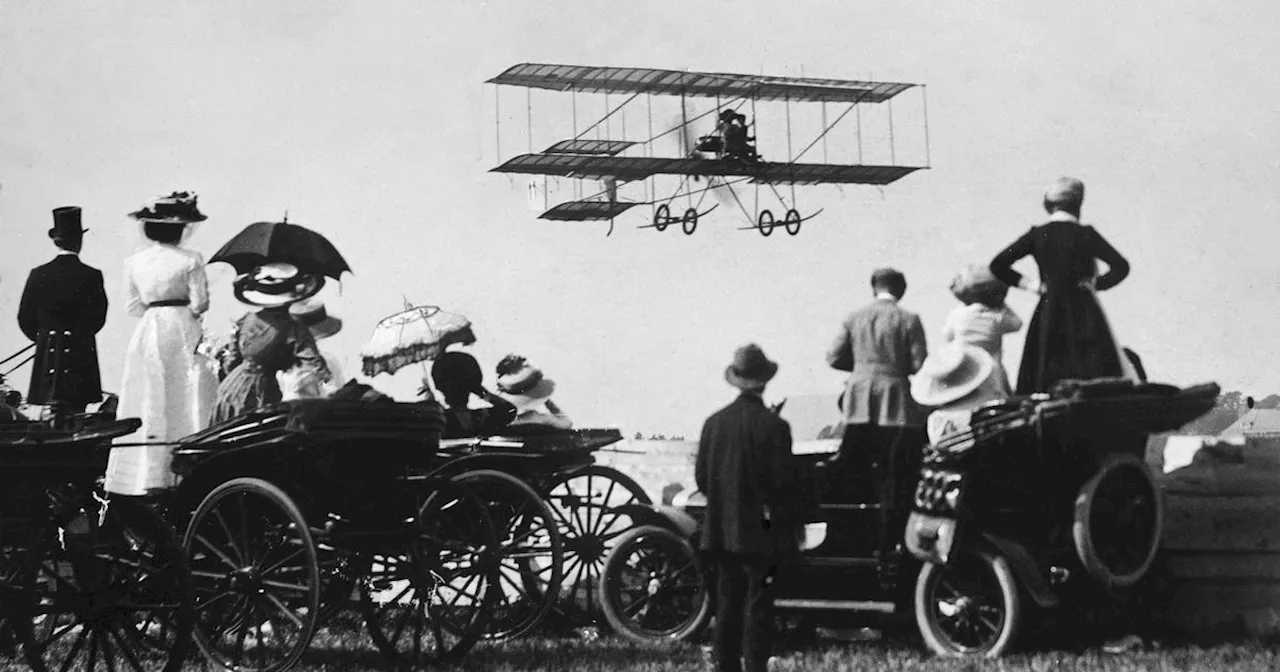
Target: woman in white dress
[167,383]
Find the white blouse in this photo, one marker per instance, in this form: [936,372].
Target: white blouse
[164,273]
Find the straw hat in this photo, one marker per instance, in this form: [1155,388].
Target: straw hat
[951,374]
[521,384]
[277,284]
[311,312]
[750,369]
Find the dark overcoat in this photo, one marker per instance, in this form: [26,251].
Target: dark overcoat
[744,468]
[63,308]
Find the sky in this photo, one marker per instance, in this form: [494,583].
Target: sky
[371,123]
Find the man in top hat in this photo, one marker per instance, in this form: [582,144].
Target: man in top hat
[63,307]
[745,470]
[880,345]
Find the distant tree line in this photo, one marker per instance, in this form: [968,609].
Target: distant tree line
[657,437]
[1230,406]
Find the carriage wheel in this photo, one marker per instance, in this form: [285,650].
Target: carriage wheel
[690,221]
[585,502]
[652,589]
[257,577]
[532,563]
[1119,516]
[765,223]
[339,575]
[792,221]
[662,217]
[115,596]
[969,606]
[431,603]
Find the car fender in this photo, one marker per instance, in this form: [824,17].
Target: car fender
[1035,583]
[668,517]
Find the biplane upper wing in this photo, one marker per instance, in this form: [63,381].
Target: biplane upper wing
[631,168]
[705,84]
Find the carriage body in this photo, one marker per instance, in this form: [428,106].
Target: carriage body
[88,582]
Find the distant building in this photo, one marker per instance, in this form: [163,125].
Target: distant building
[1258,428]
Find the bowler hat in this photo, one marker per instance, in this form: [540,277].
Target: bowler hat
[750,369]
[66,222]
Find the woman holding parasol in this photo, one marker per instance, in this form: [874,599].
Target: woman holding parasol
[280,264]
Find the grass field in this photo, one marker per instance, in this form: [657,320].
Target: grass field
[610,654]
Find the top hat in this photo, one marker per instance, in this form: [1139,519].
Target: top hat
[521,384]
[313,315]
[276,284]
[750,369]
[176,208]
[951,374]
[66,222]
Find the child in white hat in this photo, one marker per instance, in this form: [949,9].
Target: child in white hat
[955,380]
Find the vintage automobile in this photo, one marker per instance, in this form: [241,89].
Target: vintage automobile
[1041,496]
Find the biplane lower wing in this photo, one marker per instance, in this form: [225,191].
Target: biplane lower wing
[632,168]
[586,211]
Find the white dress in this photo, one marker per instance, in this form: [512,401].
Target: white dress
[166,382]
[984,327]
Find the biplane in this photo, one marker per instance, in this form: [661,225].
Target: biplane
[726,156]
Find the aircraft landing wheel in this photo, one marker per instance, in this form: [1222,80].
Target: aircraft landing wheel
[765,223]
[690,223]
[662,217]
[792,221]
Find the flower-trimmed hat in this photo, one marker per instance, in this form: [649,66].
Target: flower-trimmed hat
[176,208]
[276,284]
[522,384]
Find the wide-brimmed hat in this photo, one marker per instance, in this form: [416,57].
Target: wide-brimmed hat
[750,369]
[976,284]
[312,313]
[522,384]
[276,284]
[176,208]
[66,222]
[950,374]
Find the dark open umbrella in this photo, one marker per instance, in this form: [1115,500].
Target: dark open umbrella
[276,242]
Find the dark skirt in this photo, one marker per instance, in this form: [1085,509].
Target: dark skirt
[248,387]
[1068,337]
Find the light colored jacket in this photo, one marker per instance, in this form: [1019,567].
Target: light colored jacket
[880,345]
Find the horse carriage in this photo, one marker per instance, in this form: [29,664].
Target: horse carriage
[1044,495]
[588,507]
[294,506]
[86,582]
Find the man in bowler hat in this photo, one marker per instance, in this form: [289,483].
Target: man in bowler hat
[744,468]
[880,345]
[63,307]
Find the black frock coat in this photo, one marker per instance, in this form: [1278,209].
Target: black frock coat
[63,307]
[744,467]
[1068,336]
